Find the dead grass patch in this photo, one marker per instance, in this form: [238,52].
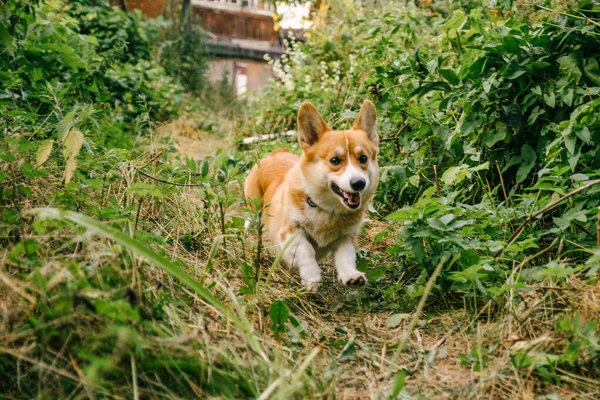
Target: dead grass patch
[192,142]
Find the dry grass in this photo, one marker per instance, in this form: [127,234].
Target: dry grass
[182,347]
[192,142]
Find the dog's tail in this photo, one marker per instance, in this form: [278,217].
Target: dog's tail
[253,191]
[266,176]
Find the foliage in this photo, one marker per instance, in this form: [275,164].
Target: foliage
[183,56]
[114,28]
[488,117]
[148,282]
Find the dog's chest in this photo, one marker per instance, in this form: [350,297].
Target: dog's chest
[326,228]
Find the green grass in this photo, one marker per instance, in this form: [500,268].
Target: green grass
[125,269]
[94,309]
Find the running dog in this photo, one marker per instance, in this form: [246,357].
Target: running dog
[315,203]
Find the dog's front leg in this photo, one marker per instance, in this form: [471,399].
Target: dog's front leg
[301,254]
[345,264]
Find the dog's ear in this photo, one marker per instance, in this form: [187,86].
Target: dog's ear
[310,125]
[367,120]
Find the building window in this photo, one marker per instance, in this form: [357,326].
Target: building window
[241,78]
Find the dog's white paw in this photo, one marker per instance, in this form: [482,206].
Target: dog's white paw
[311,286]
[353,278]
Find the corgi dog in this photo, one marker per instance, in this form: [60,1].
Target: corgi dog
[315,203]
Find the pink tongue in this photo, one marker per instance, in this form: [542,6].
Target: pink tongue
[352,198]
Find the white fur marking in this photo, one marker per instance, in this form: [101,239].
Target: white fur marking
[347,145]
[345,263]
[301,254]
[350,172]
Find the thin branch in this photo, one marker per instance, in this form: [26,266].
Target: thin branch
[549,206]
[152,159]
[502,181]
[396,136]
[437,181]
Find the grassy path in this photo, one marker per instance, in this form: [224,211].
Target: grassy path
[455,351]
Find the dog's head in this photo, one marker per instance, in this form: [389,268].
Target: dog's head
[339,166]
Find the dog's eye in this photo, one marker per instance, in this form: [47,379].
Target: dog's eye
[363,159]
[335,161]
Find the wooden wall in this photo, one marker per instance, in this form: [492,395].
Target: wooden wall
[149,8]
[237,25]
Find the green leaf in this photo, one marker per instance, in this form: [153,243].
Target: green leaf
[437,223]
[516,74]
[528,153]
[564,221]
[592,71]
[457,20]
[580,177]
[119,310]
[449,75]
[398,384]
[5,37]
[468,258]
[570,142]
[523,171]
[429,87]
[376,273]
[348,115]
[68,55]
[496,291]
[405,214]
[583,133]
[493,136]
[481,167]
[535,113]
[279,314]
[205,169]
[64,125]
[569,65]
[511,45]
[574,159]
[415,180]
[539,65]
[142,189]
[567,97]
[446,219]
[455,174]
[550,99]
[432,65]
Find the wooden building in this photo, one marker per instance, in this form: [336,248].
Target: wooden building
[241,32]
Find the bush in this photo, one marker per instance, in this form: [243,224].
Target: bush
[487,122]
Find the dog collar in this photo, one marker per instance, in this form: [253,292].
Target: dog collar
[310,202]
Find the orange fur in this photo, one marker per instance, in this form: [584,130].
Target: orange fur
[313,200]
[266,176]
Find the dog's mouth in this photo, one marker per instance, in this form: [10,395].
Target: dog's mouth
[352,200]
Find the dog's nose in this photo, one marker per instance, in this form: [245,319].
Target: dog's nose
[357,184]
